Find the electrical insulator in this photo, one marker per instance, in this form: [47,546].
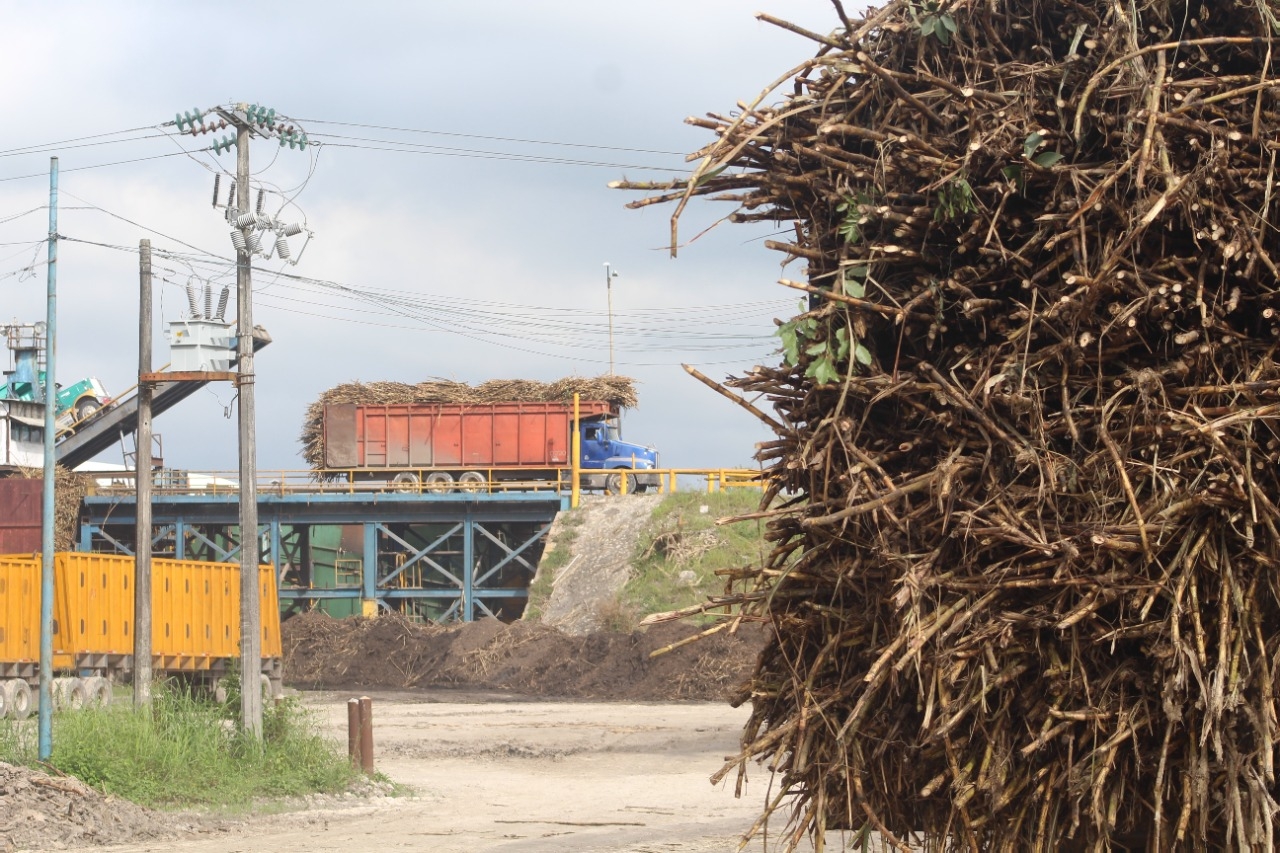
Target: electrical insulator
[237,240]
[188,119]
[292,228]
[261,196]
[253,241]
[217,180]
[282,248]
[231,195]
[246,220]
[222,303]
[208,301]
[193,301]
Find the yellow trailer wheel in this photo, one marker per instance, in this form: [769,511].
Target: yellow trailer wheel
[17,699]
[68,694]
[97,691]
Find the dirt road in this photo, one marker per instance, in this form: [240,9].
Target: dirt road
[493,772]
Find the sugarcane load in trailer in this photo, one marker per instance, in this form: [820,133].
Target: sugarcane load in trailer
[443,446]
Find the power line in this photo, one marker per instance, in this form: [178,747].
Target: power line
[490,155]
[51,146]
[489,138]
[45,174]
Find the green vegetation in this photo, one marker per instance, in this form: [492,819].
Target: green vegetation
[554,559]
[186,752]
[680,552]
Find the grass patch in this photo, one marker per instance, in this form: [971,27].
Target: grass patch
[186,751]
[679,553]
[552,561]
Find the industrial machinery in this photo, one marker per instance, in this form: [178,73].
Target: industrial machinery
[21,435]
[25,379]
[444,446]
[195,624]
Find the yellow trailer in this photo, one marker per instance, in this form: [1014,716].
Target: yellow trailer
[195,625]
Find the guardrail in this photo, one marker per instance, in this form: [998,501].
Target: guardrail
[349,481]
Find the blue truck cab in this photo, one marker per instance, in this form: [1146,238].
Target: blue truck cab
[606,459]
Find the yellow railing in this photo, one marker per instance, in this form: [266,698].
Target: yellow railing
[358,481]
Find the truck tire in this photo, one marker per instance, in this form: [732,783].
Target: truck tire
[613,483]
[405,481]
[97,691]
[68,694]
[472,481]
[17,699]
[87,407]
[439,481]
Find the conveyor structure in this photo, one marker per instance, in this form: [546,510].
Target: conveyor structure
[106,428]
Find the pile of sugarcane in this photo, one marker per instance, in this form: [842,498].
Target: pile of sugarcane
[617,390]
[1024,585]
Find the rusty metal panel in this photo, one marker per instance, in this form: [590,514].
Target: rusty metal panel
[20,514]
[419,444]
[446,434]
[506,437]
[341,449]
[398,422]
[477,437]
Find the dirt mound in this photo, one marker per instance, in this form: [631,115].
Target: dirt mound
[528,658]
[61,813]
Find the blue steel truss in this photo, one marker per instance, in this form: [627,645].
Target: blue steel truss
[439,556]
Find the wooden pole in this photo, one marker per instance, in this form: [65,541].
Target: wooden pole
[366,735]
[142,484]
[44,720]
[353,731]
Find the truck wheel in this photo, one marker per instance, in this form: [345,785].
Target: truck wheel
[87,407]
[613,483]
[471,481]
[97,691]
[68,693]
[439,481]
[405,481]
[17,698]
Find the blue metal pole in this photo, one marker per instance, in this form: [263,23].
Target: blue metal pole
[369,570]
[45,728]
[468,566]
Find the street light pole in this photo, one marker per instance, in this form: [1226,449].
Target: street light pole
[608,287]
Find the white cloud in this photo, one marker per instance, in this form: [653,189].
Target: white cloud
[436,226]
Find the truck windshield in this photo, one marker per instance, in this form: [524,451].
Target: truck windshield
[613,433]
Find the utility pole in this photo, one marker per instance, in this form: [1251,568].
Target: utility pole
[248,226]
[250,603]
[142,484]
[44,728]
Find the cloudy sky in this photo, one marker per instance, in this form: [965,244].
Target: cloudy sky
[457,196]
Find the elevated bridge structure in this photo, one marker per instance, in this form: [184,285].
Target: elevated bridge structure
[439,557]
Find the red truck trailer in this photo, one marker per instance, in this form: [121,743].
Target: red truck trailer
[440,444]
